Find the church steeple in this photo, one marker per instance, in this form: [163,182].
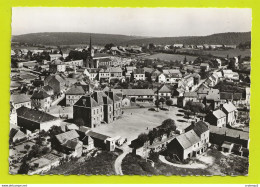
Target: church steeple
[90,42]
[91,49]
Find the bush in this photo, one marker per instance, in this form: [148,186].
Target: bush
[154,156]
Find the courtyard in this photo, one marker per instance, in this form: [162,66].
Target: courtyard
[140,120]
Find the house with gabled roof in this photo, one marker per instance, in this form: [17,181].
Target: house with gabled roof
[164,91]
[231,113]
[68,143]
[219,135]
[193,142]
[139,74]
[30,120]
[187,96]
[57,66]
[183,146]
[48,89]
[213,99]
[41,100]
[74,94]
[136,95]
[217,118]
[86,112]
[16,135]
[19,100]
[57,82]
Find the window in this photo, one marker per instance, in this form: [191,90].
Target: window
[94,113]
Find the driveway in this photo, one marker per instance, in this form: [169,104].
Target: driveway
[188,166]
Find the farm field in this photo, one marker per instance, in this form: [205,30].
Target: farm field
[219,53]
[136,121]
[170,57]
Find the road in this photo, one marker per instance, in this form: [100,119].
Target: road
[119,159]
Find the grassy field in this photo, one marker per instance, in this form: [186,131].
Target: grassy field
[171,57]
[222,165]
[102,164]
[219,53]
[135,165]
[136,121]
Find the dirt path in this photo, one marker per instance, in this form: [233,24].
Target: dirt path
[190,166]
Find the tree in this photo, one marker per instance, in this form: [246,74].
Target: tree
[168,125]
[24,168]
[143,138]
[45,150]
[157,103]
[54,130]
[188,113]
[27,147]
[109,46]
[162,100]
[188,105]
[35,152]
[169,103]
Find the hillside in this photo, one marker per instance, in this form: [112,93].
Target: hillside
[221,38]
[67,38]
[71,38]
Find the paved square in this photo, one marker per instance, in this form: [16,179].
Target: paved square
[137,121]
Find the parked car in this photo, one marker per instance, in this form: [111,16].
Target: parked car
[151,109]
[165,109]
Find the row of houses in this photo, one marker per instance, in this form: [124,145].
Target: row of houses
[194,140]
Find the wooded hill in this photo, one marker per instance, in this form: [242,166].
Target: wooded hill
[72,38]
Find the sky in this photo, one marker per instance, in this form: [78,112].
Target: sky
[156,22]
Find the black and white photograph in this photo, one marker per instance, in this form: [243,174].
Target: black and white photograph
[130,91]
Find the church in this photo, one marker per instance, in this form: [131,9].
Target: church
[97,60]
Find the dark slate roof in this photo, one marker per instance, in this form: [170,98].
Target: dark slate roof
[98,96]
[86,101]
[104,60]
[97,135]
[113,96]
[19,98]
[69,135]
[57,77]
[107,100]
[229,132]
[40,94]
[72,144]
[139,71]
[199,127]
[34,115]
[47,88]
[237,96]
[226,95]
